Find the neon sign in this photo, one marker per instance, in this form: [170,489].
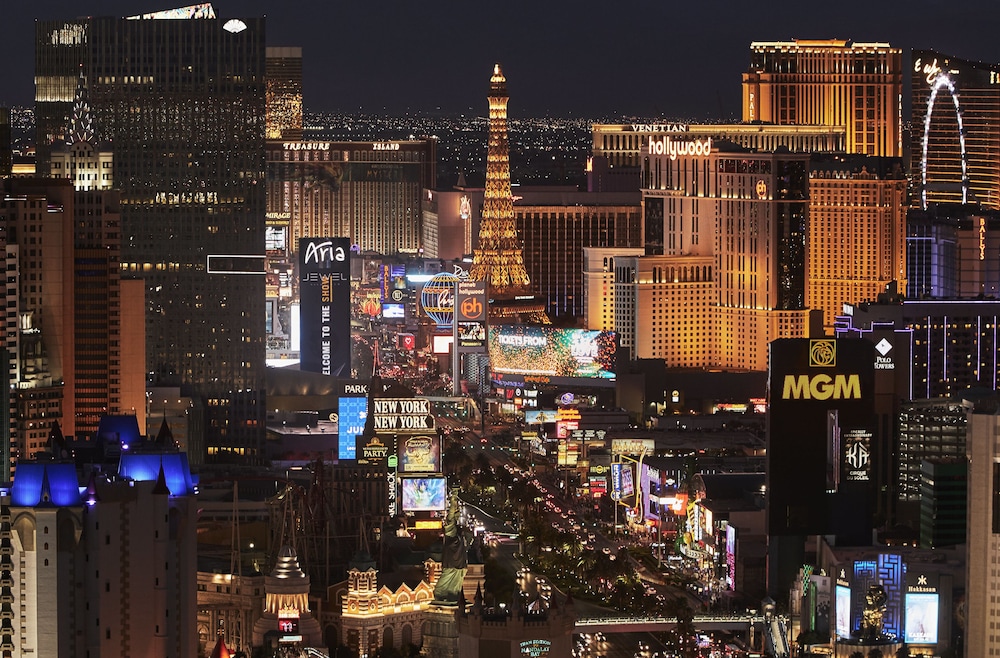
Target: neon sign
[982,238]
[931,70]
[667,146]
[306,146]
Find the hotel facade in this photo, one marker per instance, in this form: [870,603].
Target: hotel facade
[829,82]
[727,230]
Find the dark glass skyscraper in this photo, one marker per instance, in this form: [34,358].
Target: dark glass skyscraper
[179,97]
[955,125]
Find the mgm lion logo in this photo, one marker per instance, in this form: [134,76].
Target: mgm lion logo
[822,353]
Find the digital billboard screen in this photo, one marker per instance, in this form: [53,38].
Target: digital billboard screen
[921,625]
[325,299]
[419,454]
[393,311]
[843,611]
[539,416]
[551,355]
[275,239]
[424,494]
[352,412]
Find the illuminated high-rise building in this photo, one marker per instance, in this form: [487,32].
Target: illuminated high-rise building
[599,284]
[180,96]
[69,360]
[106,567]
[575,221]
[727,229]
[829,82]
[953,250]
[284,93]
[624,144]
[499,260]
[857,230]
[369,192]
[955,130]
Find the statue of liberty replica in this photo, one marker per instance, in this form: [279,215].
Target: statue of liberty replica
[441,631]
[454,556]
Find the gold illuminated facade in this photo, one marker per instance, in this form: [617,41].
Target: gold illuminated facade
[665,308]
[623,145]
[725,266]
[283,93]
[829,82]
[599,284]
[857,231]
[449,218]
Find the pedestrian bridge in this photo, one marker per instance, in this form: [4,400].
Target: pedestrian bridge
[644,624]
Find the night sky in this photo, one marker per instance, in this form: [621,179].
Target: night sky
[662,58]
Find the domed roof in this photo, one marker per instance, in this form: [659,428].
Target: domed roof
[287,565]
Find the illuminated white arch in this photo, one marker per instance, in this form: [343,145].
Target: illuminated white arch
[943,80]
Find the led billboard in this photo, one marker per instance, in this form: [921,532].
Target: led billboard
[470,316]
[393,311]
[424,494]
[393,277]
[420,454]
[551,355]
[325,299]
[843,611]
[352,412]
[539,416]
[921,626]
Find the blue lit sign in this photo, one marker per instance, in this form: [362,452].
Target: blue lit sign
[352,414]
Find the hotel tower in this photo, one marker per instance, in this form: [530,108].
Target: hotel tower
[956,130]
[179,96]
[829,82]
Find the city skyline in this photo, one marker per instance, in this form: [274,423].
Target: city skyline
[563,60]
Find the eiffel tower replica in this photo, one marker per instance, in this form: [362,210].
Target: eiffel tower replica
[499,260]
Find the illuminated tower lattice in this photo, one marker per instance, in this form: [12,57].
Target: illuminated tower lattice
[499,260]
